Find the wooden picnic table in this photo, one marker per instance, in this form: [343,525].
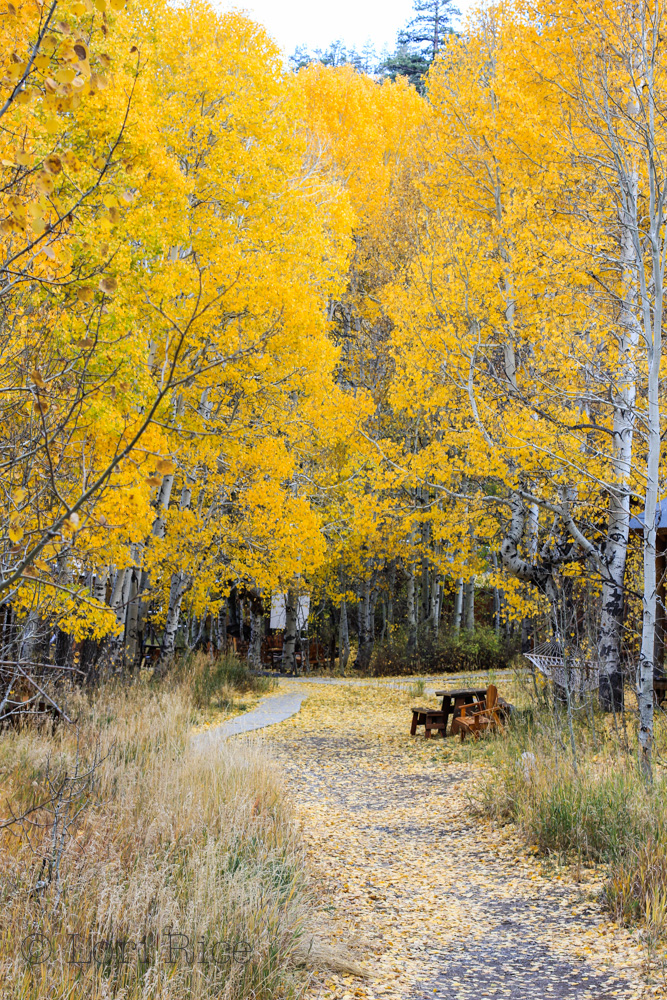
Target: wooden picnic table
[453,700]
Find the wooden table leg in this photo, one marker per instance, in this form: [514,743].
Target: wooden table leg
[446,709]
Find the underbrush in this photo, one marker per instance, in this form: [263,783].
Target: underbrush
[447,652]
[214,683]
[140,866]
[594,808]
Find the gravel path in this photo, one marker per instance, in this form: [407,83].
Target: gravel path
[270,711]
[436,901]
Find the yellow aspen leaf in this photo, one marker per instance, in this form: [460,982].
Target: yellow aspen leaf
[52,125]
[78,9]
[19,495]
[71,161]
[42,61]
[16,70]
[85,293]
[117,4]
[100,5]
[24,159]
[41,406]
[25,96]
[15,535]
[42,565]
[44,182]
[38,380]
[53,164]
[65,74]
[153,480]
[108,285]
[166,466]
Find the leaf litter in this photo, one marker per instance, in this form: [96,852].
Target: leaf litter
[415,889]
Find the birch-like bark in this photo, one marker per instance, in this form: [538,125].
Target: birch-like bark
[458,606]
[343,637]
[179,586]
[256,620]
[436,604]
[618,524]
[469,605]
[289,639]
[131,632]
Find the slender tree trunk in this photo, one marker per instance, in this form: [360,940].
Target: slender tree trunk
[365,638]
[458,606]
[343,637]
[131,630]
[289,640]
[618,526]
[255,647]
[390,595]
[179,586]
[469,605]
[412,612]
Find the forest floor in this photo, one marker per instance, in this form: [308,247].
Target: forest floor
[408,882]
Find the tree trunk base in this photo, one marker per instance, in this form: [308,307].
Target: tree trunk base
[611,693]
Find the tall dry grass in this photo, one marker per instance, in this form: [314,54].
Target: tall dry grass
[168,840]
[577,793]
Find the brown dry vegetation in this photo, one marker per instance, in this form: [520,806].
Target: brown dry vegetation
[168,838]
[581,797]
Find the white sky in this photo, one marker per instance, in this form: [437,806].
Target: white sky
[300,22]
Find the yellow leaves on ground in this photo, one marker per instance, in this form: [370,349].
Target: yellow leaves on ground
[415,887]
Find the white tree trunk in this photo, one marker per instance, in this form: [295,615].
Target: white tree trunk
[289,639]
[179,586]
[458,606]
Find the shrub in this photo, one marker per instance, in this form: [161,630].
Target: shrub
[213,682]
[447,652]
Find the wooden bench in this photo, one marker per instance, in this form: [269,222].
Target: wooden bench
[481,717]
[430,718]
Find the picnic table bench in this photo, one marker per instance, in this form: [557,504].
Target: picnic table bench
[453,701]
[434,719]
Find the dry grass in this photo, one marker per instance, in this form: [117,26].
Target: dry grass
[201,844]
[578,795]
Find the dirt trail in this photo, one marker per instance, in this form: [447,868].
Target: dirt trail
[433,901]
